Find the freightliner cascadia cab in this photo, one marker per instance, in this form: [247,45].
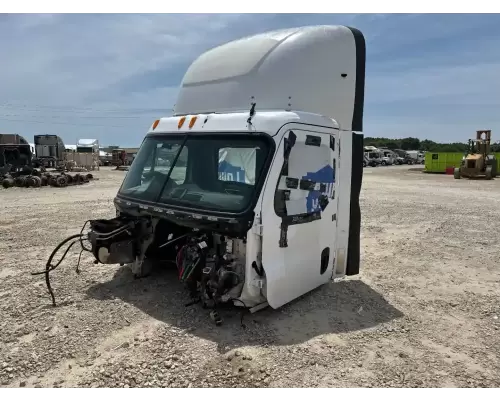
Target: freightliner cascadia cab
[251,189]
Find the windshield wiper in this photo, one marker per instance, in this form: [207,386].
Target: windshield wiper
[172,167]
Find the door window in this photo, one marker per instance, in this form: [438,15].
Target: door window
[237,164]
[307,181]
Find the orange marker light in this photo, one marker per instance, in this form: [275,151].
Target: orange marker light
[155,124]
[181,122]
[191,123]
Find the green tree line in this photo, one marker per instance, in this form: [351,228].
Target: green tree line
[411,143]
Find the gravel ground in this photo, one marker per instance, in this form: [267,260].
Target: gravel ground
[423,312]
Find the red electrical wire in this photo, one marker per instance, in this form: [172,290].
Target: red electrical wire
[178,261]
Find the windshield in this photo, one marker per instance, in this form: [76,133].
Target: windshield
[213,172]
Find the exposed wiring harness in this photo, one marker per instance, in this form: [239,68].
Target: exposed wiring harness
[187,263]
[179,259]
[187,260]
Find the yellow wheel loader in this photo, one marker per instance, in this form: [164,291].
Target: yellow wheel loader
[478,162]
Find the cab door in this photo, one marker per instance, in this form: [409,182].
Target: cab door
[299,213]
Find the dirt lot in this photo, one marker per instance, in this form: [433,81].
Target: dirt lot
[424,311]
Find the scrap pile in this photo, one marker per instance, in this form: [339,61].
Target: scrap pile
[37,178]
[71,166]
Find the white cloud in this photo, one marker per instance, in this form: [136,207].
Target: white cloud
[461,83]
[70,70]
[80,54]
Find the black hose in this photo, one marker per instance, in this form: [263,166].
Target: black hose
[79,237]
[241,301]
[49,267]
[81,242]
[245,308]
[79,258]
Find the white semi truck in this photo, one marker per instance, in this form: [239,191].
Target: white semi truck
[259,203]
[417,156]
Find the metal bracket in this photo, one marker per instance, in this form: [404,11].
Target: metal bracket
[258,307]
[259,283]
[257,229]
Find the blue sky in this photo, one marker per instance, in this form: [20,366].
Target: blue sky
[434,76]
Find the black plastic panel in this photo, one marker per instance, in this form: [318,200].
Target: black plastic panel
[359,94]
[354,246]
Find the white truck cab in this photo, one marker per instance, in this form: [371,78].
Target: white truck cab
[372,155]
[417,156]
[252,187]
[388,157]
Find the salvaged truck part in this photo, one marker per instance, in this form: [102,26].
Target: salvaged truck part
[15,153]
[32,177]
[252,187]
[49,151]
[86,155]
